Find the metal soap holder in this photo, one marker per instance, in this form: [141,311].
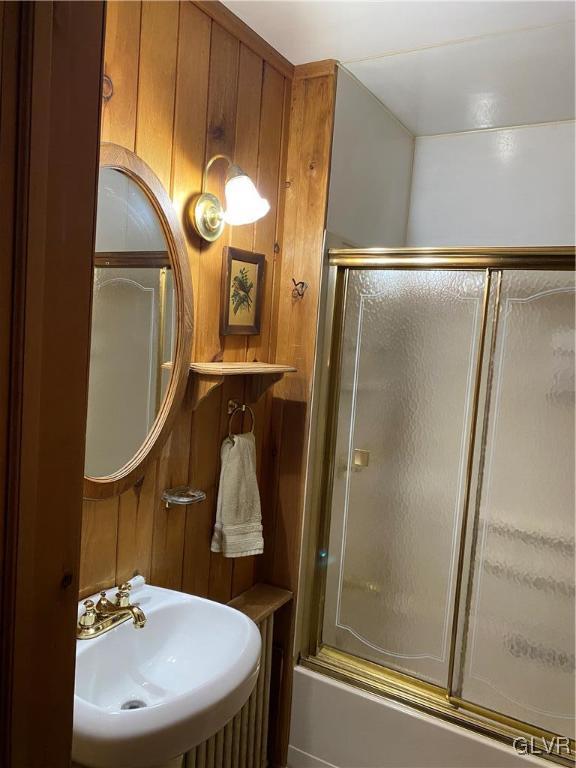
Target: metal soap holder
[184,494]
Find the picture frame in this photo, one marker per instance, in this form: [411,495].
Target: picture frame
[242,287]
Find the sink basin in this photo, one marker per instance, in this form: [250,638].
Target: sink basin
[145,696]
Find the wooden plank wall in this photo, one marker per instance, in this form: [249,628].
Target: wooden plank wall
[189,81]
[308,175]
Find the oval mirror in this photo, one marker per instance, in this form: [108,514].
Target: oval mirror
[141,324]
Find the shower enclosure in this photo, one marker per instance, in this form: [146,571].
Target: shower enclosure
[444,556]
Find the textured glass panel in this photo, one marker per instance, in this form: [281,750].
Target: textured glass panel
[520,644]
[125,365]
[132,326]
[406,386]
[126,219]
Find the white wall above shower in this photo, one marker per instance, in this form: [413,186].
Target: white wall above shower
[499,187]
[370,172]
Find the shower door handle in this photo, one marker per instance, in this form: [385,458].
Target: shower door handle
[360,459]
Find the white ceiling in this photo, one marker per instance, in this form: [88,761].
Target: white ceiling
[516,78]
[440,65]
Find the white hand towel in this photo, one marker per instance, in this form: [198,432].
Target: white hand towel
[238,529]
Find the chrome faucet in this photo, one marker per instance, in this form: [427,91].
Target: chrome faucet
[101,617]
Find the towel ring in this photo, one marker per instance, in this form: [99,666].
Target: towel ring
[240,409]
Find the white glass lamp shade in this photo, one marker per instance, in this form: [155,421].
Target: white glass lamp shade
[243,202]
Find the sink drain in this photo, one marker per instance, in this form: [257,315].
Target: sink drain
[134,704]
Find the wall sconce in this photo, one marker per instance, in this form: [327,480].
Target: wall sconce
[243,203]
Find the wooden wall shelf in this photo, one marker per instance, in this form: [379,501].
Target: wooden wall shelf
[260,601]
[261,376]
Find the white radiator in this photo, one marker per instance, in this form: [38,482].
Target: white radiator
[242,742]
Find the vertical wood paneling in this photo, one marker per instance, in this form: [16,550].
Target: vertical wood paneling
[156,86]
[98,547]
[204,465]
[129,533]
[258,347]
[188,160]
[221,129]
[220,139]
[306,200]
[269,156]
[189,140]
[283,185]
[246,152]
[220,584]
[308,168]
[185,89]
[246,156]
[135,527]
[196,565]
[270,470]
[121,58]
[169,523]
[247,131]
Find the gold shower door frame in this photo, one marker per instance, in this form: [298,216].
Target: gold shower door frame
[370,676]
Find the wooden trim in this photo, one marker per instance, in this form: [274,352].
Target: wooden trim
[147,259]
[231,23]
[57,55]
[308,176]
[324,68]
[114,156]
[13,126]
[261,601]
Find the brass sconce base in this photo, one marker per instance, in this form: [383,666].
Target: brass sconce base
[208,216]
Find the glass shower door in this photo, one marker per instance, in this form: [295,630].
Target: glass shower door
[519,644]
[451,497]
[408,363]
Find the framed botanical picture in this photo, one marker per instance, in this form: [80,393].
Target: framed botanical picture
[242,283]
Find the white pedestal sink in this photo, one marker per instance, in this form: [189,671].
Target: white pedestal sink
[144,696]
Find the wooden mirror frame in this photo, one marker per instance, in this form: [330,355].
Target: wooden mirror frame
[125,161]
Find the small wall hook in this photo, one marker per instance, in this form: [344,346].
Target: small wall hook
[299,289]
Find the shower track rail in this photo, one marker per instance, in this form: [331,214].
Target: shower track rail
[314,654]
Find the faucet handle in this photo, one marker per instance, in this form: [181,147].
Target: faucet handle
[123,595]
[89,616]
[102,602]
